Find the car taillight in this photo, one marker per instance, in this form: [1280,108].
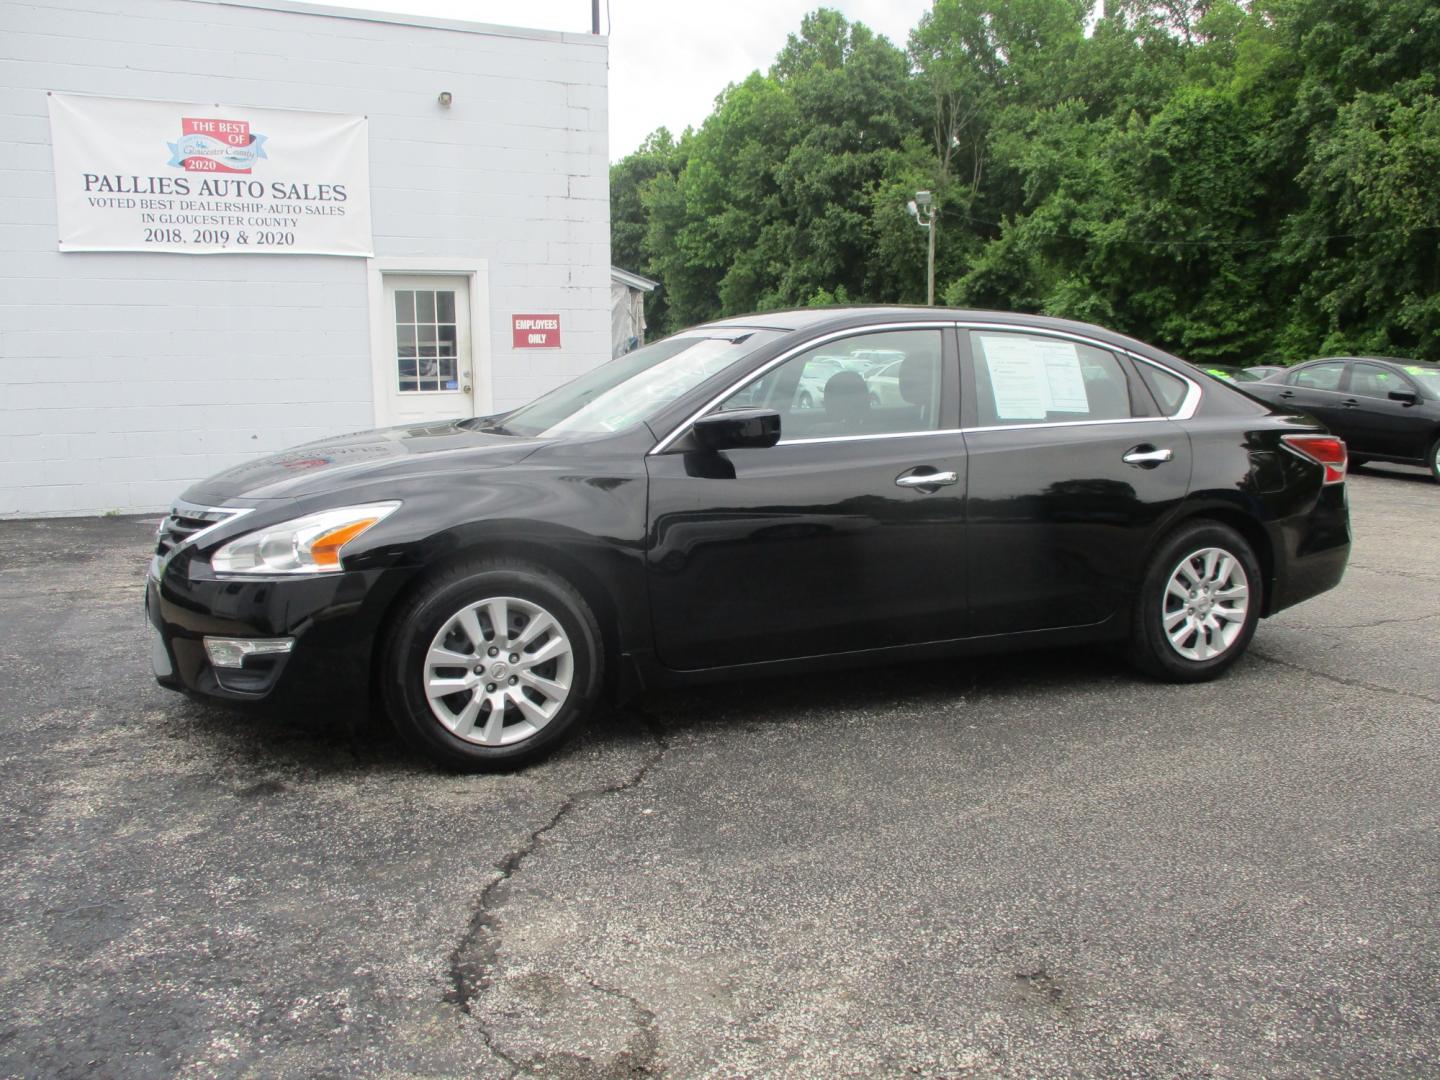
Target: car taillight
[1324,450]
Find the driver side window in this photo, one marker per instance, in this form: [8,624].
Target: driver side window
[870,384]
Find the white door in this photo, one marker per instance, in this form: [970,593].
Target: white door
[428,364]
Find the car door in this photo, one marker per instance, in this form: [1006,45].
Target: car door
[846,535]
[1377,425]
[1316,389]
[1073,469]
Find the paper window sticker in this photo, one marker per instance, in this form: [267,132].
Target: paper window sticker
[1017,378]
[1065,378]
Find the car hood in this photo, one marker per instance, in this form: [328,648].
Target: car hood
[360,457]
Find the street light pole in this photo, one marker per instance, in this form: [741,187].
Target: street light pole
[930,263]
[923,209]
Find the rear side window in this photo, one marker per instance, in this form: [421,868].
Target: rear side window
[1169,389]
[1319,376]
[1027,379]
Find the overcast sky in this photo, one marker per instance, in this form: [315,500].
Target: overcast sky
[669,58]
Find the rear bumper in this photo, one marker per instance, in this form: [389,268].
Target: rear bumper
[333,619]
[1311,550]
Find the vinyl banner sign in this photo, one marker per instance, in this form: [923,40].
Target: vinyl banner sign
[204,179]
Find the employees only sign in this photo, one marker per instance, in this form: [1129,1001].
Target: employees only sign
[535,331]
[203,179]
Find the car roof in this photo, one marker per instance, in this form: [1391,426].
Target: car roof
[1398,361]
[840,318]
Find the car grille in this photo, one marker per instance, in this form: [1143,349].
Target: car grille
[185,522]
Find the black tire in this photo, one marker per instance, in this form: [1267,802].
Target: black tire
[434,607]
[1150,646]
[1432,461]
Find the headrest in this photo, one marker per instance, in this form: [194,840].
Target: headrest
[917,379]
[846,395]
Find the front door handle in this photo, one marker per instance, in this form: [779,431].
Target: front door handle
[1350,403]
[924,480]
[1142,455]
[1286,394]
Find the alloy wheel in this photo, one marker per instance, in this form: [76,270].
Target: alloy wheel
[498,671]
[1206,600]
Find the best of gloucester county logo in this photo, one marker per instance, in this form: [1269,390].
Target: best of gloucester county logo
[216,146]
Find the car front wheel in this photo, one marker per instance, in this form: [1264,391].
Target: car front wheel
[1199,604]
[491,665]
[1434,460]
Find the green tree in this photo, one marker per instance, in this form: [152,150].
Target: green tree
[1232,179]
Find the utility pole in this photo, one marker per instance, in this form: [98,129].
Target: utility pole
[595,16]
[923,209]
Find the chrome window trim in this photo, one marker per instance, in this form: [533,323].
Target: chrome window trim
[875,435]
[1070,423]
[1186,410]
[974,430]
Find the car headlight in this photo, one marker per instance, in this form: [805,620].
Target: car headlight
[306,545]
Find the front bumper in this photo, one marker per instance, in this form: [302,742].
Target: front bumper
[333,619]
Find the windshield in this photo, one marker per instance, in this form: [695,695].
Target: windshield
[630,388]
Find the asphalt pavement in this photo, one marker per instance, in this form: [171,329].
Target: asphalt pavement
[1039,865]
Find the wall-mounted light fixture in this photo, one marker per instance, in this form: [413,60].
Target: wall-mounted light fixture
[445,99]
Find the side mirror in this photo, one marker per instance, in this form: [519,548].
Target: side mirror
[1408,397]
[738,429]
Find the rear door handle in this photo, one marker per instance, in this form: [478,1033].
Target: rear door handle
[1143,455]
[1350,403]
[924,480]
[1286,394]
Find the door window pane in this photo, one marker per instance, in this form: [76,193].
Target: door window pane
[425,331]
[1371,380]
[870,384]
[1320,376]
[1029,379]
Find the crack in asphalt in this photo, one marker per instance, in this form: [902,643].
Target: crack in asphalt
[640,1060]
[1385,571]
[473,960]
[1340,680]
[1360,626]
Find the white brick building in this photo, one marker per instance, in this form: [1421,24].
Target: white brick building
[125,375]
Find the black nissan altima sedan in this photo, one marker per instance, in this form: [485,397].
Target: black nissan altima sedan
[1385,409]
[676,516]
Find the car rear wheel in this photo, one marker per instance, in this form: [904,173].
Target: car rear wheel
[1434,460]
[1199,604]
[491,665]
